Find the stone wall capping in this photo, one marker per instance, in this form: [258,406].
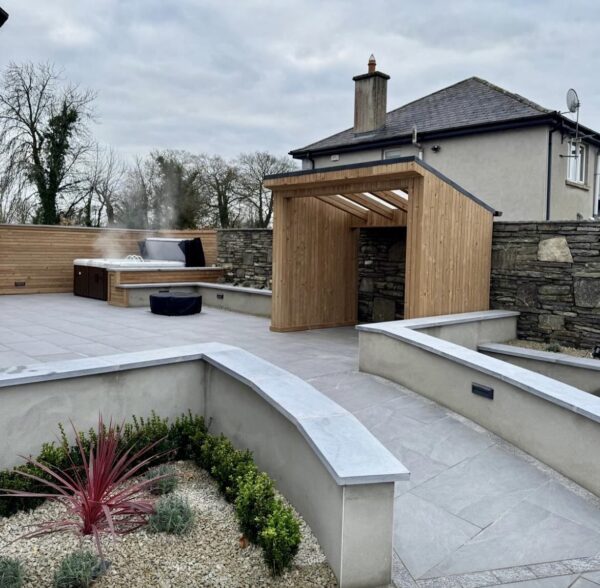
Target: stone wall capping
[345,447]
[553,391]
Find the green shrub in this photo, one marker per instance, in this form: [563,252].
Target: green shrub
[78,570]
[164,485]
[229,467]
[554,348]
[11,573]
[254,504]
[143,432]
[187,433]
[11,480]
[173,515]
[280,538]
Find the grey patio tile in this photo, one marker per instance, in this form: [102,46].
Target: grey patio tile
[556,582]
[526,535]
[583,583]
[593,577]
[421,467]
[14,358]
[482,488]
[65,340]
[34,348]
[59,356]
[96,349]
[424,534]
[562,501]
[354,390]
[13,336]
[446,440]
[38,330]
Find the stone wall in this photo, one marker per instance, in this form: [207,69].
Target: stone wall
[381,267]
[246,256]
[550,272]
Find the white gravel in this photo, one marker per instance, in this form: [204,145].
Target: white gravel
[210,555]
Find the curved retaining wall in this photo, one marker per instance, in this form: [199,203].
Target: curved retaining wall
[338,476]
[555,422]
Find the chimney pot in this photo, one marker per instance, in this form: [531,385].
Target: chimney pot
[370,99]
[372,64]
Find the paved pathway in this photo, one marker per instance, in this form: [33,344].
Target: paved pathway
[477,512]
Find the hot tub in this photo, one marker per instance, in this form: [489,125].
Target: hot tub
[90,277]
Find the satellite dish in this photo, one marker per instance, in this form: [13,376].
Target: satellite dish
[572,101]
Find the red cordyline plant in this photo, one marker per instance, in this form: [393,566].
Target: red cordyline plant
[99,495]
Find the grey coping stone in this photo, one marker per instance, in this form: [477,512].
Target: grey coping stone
[552,568]
[343,444]
[478,580]
[546,356]
[444,320]
[583,564]
[549,389]
[208,285]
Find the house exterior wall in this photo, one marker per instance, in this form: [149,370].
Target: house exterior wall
[568,199]
[506,169]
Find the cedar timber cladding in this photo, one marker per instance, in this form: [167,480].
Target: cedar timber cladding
[316,222]
[41,257]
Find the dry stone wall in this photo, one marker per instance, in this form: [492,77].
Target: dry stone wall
[246,256]
[381,269]
[550,273]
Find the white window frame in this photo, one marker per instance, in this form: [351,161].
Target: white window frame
[576,162]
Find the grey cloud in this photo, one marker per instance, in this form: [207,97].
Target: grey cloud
[229,76]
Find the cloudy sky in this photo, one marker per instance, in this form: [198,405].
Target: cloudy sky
[226,76]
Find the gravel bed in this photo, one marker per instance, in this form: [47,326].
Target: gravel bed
[210,555]
[544,347]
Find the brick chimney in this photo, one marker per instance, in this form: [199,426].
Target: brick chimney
[370,99]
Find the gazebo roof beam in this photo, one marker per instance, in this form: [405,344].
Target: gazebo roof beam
[393,199]
[345,205]
[370,203]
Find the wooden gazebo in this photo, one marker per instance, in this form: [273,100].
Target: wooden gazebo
[317,216]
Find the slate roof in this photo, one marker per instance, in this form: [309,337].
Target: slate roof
[472,102]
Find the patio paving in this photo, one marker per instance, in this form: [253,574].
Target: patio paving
[477,511]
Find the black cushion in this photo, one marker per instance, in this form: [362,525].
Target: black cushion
[175,303]
[194,252]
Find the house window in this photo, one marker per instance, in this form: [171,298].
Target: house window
[576,162]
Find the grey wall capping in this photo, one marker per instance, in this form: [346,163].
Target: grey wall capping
[345,447]
[549,389]
[547,356]
[440,321]
[209,285]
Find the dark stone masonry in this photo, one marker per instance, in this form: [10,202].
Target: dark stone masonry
[550,273]
[246,256]
[381,268]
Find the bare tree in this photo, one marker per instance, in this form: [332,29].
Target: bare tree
[220,182]
[253,169]
[103,185]
[44,134]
